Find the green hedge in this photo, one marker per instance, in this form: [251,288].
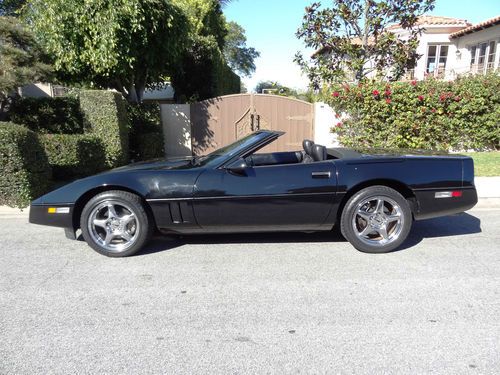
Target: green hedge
[74,155]
[460,115]
[48,115]
[105,115]
[24,169]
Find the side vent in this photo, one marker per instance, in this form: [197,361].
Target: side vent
[176,209]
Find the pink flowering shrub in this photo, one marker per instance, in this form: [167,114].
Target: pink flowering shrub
[459,115]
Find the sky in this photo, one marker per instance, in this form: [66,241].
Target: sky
[271,25]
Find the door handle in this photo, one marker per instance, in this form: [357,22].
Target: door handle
[320,174]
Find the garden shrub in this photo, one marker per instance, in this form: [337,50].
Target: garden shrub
[74,155]
[459,115]
[105,115]
[146,131]
[48,115]
[24,169]
[150,146]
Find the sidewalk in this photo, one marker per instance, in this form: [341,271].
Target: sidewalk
[488,191]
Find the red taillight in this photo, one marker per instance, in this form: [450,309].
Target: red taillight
[456,194]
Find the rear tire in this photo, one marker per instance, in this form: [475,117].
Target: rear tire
[376,219]
[115,223]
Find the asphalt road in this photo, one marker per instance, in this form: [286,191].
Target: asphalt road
[274,303]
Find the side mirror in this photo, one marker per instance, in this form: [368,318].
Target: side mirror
[239,166]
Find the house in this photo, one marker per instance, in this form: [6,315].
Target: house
[449,47]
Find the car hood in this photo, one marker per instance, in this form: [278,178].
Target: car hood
[158,164]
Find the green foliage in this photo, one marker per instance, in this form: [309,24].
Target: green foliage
[105,115]
[239,57]
[352,38]
[204,73]
[20,59]
[150,146]
[124,44]
[460,115]
[24,170]
[73,155]
[48,115]
[11,7]
[146,131]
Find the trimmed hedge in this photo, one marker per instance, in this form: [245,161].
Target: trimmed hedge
[74,155]
[105,115]
[48,115]
[24,169]
[460,115]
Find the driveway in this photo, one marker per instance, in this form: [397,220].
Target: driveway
[274,303]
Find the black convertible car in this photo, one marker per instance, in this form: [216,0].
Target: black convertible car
[372,197]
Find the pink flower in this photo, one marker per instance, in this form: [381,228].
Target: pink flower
[339,125]
[413,83]
[388,101]
[335,94]
[388,92]
[376,93]
[457,98]
[421,98]
[433,110]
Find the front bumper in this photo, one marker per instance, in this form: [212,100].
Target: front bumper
[41,214]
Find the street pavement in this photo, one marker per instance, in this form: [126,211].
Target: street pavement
[264,303]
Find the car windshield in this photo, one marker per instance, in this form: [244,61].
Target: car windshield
[230,150]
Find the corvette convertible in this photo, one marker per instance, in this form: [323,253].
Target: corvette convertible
[373,197]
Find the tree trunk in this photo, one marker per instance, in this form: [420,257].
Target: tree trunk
[366,32]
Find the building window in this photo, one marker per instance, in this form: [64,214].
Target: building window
[436,60]
[482,57]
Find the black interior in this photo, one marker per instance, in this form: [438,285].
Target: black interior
[312,153]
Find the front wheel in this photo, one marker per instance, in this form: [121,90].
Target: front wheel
[115,223]
[377,219]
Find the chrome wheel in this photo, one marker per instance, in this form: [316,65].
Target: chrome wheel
[378,221]
[113,225]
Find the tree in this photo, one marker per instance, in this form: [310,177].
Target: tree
[353,37]
[239,57]
[123,44]
[21,59]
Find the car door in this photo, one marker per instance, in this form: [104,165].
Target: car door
[276,197]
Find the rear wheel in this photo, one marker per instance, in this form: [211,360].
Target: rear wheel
[115,223]
[376,220]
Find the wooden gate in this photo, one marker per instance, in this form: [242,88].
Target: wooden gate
[219,121]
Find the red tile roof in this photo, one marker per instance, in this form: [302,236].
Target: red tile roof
[474,28]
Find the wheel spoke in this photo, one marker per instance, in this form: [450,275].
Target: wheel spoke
[112,212]
[126,235]
[109,238]
[364,215]
[366,231]
[391,218]
[128,219]
[380,206]
[383,232]
[100,223]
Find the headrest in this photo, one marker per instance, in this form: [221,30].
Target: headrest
[307,144]
[319,153]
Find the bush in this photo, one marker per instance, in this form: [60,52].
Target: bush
[105,115]
[24,169]
[146,132]
[48,115]
[150,146]
[74,155]
[459,115]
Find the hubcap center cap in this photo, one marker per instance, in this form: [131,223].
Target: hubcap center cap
[377,221]
[115,224]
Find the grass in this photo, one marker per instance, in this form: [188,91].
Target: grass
[486,163]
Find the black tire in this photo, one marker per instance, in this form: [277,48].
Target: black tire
[374,227]
[127,218]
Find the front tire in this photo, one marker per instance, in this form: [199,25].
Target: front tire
[376,219]
[115,223]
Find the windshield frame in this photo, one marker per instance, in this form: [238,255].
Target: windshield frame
[241,146]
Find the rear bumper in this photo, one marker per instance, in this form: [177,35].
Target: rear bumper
[39,214]
[429,206]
